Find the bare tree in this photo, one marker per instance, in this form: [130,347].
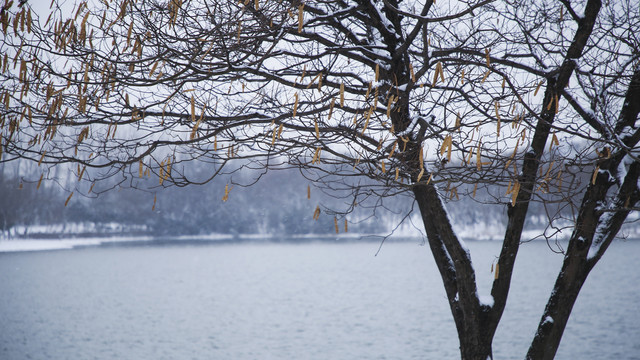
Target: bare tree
[369,98]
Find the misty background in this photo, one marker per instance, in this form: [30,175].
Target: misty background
[276,206]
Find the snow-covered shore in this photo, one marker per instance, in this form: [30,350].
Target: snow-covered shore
[62,244]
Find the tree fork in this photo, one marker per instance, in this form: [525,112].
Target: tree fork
[454,263]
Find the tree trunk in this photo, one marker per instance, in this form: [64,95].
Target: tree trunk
[476,323]
[595,229]
[473,322]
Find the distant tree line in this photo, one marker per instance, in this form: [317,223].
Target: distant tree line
[281,204]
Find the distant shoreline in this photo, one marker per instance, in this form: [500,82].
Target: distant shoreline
[52,244]
[69,242]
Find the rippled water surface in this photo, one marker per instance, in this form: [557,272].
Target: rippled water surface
[288,301]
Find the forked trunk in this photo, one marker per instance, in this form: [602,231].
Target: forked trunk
[475,322]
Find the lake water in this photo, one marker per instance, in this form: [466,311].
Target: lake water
[292,301]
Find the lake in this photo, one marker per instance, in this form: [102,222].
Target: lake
[317,300]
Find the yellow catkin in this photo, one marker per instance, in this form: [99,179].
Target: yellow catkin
[546,175]
[557,104]
[513,155]
[316,213]
[193,109]
[42,157]
[439,71]
[462,77]
[280,130]
[155,199]
[446,146]
[467,160]
[443,146]
[454,192]
[383,167]
[300,17]
[227,189]
[335,223]
[435,76]
[377,72]
[514,194]
[375,98]
[308,191]
[197,125]
[82,173]
[595,175]
[161,175]
[68,199]
[346,226]
[397,174]
[393,149]
[29,21]
[304,72]
[316,155]
[486,51]
[153,68]
[333,101]
[475,188]
[342,94]
[413,75]
[295,105]
[366,122]
[486,74]
[550,104]
[129,34]
[140,169]
[496,272]
[554,141]
[40,181]
[420,175]
[315,124]
[537,88]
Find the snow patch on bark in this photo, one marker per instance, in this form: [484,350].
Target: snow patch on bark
[486,300]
